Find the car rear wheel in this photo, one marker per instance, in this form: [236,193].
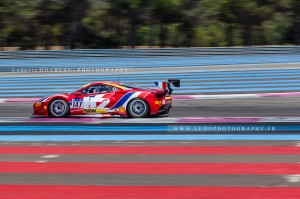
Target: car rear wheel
[59,108]
[138,108]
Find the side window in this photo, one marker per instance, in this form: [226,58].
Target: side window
[96,89]
[85,91]
[113,89]
[103,89]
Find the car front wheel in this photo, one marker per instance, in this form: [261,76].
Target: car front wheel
[59,108]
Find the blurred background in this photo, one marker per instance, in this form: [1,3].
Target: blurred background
[69,24]
[242,73]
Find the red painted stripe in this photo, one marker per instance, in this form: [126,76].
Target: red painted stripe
[107,95]
[148,168]
[145,192]
[149,150]
[164,85]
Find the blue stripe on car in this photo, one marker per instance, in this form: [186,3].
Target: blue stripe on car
[122,100]
[43,99]
[78,99]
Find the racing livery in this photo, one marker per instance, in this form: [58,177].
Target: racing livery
[109,99]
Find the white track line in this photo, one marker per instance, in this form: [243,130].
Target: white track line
[2,100]
[293,178]
[227,96]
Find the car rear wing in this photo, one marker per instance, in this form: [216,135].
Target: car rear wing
[166,86]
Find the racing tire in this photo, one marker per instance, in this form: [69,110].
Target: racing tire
[58,108]
[138,108]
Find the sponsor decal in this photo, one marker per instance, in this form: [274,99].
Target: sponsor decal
[94,110]
[76,103]
[86,110]
[122,110]
[96,102]
[101,110]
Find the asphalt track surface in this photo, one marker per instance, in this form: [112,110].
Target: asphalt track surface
[150,169]
[254,107]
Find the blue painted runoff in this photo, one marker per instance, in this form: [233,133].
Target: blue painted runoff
[145,137]
[161,128]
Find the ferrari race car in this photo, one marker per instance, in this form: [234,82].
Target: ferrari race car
[109,99]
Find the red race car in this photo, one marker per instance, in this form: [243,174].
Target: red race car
[109,99]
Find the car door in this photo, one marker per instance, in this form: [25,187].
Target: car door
[97,98]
